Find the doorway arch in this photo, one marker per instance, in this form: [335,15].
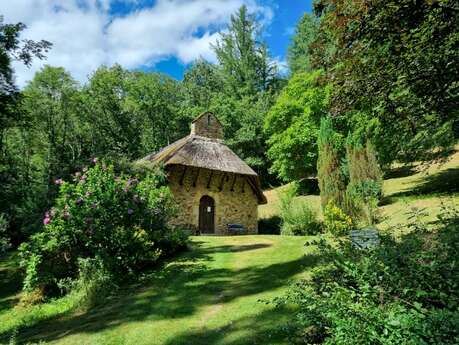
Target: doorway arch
[207,215]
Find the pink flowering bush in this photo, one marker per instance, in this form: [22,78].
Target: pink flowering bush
[119,220]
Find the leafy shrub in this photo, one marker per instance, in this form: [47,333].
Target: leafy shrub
[297,218]
[362,200]
[335,220]
[4,240]
[94,280]
[119,220]
[402,292]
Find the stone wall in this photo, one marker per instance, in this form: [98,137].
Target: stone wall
[239,205]
[208,126]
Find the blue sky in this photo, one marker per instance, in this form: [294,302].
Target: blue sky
[277,33]
[152,35]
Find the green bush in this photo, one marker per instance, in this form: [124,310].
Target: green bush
[120,220]
[336,221]
[403,292]
[296,218]
[362,200]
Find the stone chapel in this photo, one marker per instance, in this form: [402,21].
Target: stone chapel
[211,184]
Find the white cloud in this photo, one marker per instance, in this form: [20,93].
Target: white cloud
[84,35]
[282,65]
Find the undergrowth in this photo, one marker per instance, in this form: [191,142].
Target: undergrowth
[404,291]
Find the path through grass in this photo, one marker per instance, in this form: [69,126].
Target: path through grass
[210,295]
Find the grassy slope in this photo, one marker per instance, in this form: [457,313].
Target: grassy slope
[404,189]
[210,295]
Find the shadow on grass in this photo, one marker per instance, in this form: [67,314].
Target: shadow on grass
[10,280]
[264,328]
[444,182]
[403,171]
[177,291]
[308,186]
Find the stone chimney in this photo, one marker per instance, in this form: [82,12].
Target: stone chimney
[207,125]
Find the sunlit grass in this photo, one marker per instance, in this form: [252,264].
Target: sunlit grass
[212,294]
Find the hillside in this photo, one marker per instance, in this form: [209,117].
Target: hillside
[417,188]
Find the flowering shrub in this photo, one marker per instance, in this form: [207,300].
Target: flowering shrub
[335,220]
[119,220]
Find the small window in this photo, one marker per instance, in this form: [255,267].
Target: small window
[208,120]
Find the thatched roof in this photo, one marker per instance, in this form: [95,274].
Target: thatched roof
[206,153]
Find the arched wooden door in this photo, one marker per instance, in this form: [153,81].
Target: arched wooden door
[206,214]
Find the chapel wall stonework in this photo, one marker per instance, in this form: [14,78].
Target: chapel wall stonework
[239,205]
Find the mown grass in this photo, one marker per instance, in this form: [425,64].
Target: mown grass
[211,294]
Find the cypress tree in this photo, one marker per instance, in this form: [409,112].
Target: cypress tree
[365,180]
[331,179]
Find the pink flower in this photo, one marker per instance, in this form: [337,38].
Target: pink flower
[94,160]
[79,201]
[47,218]
[59,181]
[130,211]
[88,193]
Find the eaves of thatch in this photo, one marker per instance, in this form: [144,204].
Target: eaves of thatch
[207,153]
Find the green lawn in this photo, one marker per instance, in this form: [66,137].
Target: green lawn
[212,294]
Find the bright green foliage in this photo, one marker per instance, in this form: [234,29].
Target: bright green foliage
[244,60]
[365,181]
[297,219]
[336,221]
[46,143]
[50,102]
[292,126]
[329,172]
[117,219]
[249,84]
[396,60]
[131,114]
[13,48]
[402,292]
[16,170]
[299,51]
[202,82]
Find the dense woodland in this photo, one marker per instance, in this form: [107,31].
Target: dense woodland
[370,83]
